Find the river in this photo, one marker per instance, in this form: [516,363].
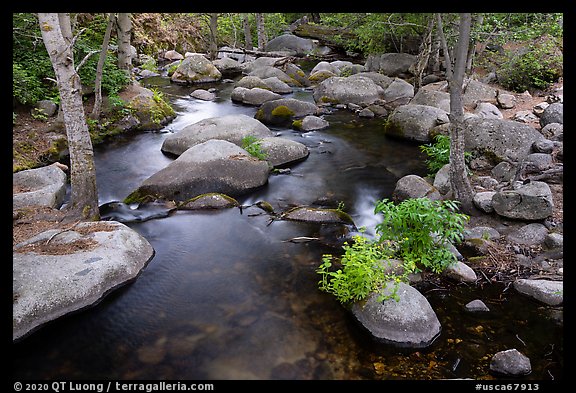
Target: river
[228,297]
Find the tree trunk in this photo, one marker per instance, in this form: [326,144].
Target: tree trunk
[213,47]
[99,69]
[478,21]
[84,196]
[247,33]
[262,40]
[421,63]
[458,172]
[124,31]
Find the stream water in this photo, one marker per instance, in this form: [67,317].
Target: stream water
[226,296]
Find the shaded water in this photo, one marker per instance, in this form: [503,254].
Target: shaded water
[226,296]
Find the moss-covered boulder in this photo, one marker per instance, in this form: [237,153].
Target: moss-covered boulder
[284,111]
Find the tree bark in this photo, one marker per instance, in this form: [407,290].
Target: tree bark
[458,172]
[99,69]
[247,33]
[213,46]
[124,31]
[260,28]
[84,196]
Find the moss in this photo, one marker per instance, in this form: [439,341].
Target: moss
[137,197]
[328,100]
[282,111]
[212,195]
[392,128]
[297,124]
[267,207]
[259,114]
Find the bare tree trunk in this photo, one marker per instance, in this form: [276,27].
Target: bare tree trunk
[262,39]
[421,64]
[84,196]
[213,46]
[99,69]
[124,31]
[472,50]
[247,33]
[444,44]
[434,63]
[458,172]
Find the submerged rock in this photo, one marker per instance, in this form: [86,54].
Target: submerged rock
[312,214]
[410,322]
[510,362]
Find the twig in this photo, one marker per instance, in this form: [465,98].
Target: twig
[520,340]
[62,231]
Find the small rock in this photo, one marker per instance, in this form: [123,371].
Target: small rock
[510,362]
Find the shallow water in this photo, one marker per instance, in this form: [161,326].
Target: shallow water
[227,296]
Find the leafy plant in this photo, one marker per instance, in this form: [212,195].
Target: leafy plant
[362,271]
[253,146]
[417,231]
[439,153]
[421,230]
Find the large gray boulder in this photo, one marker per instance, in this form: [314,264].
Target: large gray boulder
[545,291]
[212,166]
[414,122]
[284,111]
[196,69]
[435,98]
[414,186]
[281,152]
[45,186]
[391,64]
[554,113]
[355,89]
[531,202]
[49,283]
[231,128]
[499,140]
[409,322]
[255,96]
[290,43]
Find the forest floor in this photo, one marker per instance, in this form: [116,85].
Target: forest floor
[499,265]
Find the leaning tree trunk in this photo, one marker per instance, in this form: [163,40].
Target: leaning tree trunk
[458,172]
[123,31]
[84,196]
[99,70]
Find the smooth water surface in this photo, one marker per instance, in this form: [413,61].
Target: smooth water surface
[229,296]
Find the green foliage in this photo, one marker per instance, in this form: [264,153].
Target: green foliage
[417,231]
[439,153]
[32,67]
[420,230]
[537,67]
[362,271]
[26,87]
[253,146]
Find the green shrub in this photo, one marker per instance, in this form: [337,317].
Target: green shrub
[362,271]
[538,67]
[439,153]
[421,230]
[417,231]
[26,87]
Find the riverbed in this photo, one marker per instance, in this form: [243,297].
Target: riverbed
[230,295]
